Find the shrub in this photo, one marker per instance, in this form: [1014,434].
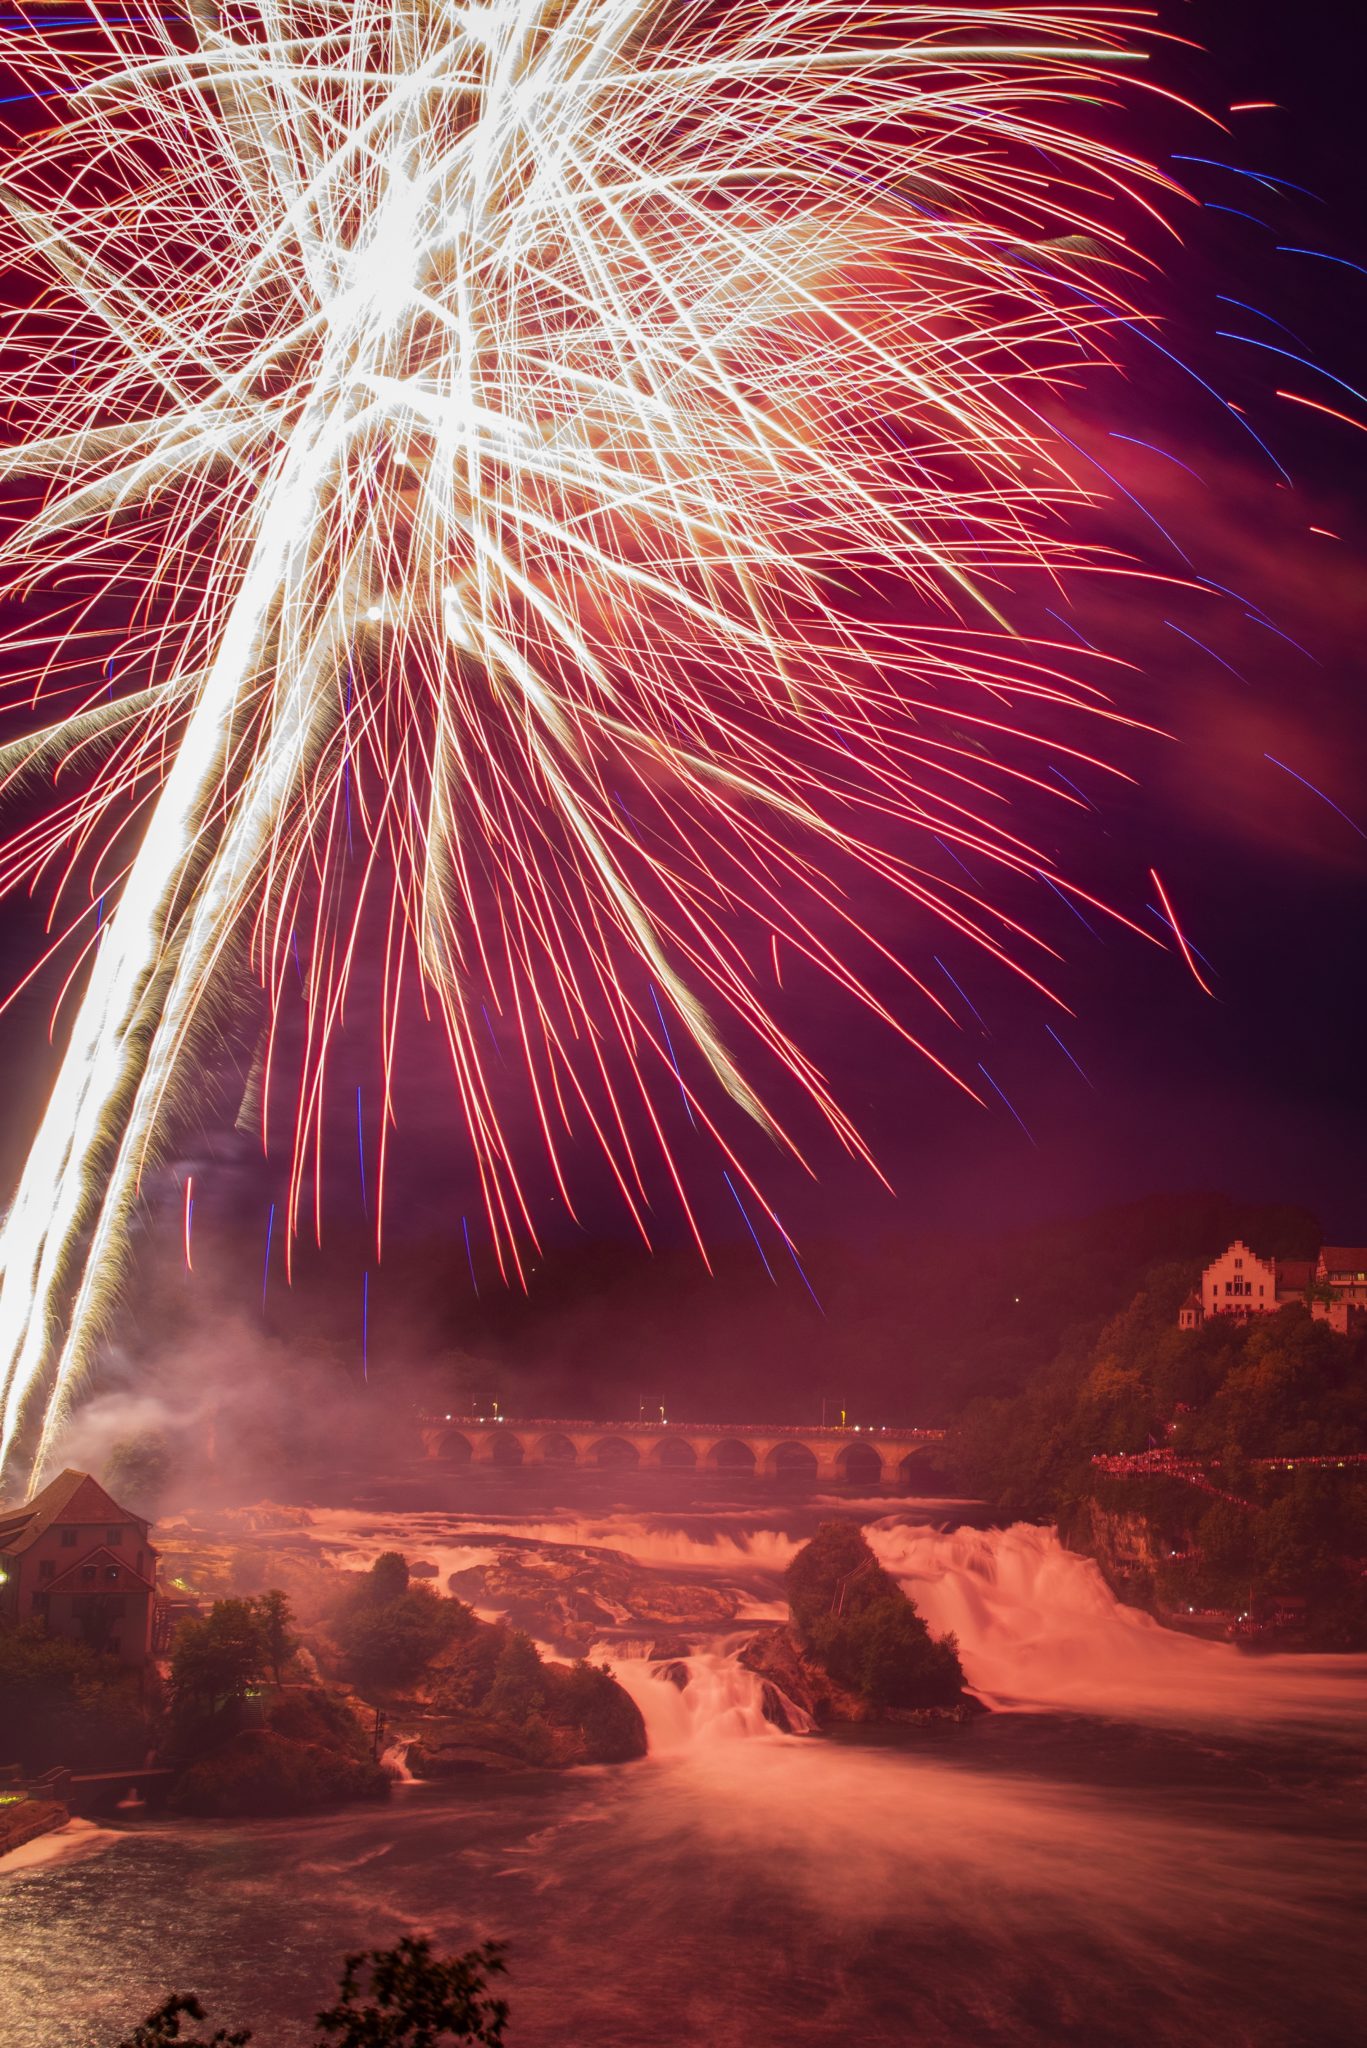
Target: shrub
[259,1772]
[61,1702]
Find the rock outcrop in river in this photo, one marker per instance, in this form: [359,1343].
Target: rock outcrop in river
[856,1649]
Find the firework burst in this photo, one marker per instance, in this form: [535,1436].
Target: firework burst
[559,468]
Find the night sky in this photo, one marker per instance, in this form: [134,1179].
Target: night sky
[1257,1091]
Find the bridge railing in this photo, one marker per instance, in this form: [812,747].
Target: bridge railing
[648,1427]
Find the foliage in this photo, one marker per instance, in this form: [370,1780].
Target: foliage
[518,1687]
[1223,1396]
[259,1772]
[309,1714]
[387,1579]
[413,2000]
[484,1678]
[498,1694]
[217,1658]
[278,1640]
[861,1627]
[137,1471]
[390,1642]
[418,2000]
[64,1703]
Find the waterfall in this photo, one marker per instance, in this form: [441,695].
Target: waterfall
[720,1702]
[1038,1627]
[395,1759]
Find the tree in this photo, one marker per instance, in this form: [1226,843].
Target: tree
[278,1640]
[418,2000]
[138,1470]
[394,1642]
[387,1578]
[413,2000]
[216,1659]
[62,1702]
[518,1687]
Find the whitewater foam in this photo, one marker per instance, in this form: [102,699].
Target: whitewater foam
[721,1703]
[1038,1627]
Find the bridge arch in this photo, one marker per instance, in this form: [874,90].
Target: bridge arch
[731,1454]
[791,1460]
[906,1469]
[859,1464]
[505,1448]
[674,1454]
[453,1448]
[616,1454]
[557,1449]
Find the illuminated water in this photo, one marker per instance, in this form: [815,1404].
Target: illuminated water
[1160,1842]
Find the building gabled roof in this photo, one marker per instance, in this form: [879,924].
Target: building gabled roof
[1344,1258]
[69,1580]
[71,1497]
[1238,1244]
[1294,1275]
[1193,1301]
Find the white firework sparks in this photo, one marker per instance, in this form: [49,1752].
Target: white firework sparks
[471,411]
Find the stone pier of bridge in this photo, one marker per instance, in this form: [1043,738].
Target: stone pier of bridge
[836,1457]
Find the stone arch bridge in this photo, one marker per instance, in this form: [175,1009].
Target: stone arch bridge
[858,1456]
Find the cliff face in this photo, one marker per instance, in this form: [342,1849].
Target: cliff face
[1123,1544]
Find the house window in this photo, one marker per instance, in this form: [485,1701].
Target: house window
[113,1537]
[1238,1265]
[47,1568]
[69,1539]
[111,1573]
[87,1574]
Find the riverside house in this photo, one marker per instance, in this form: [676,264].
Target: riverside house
[74,1558]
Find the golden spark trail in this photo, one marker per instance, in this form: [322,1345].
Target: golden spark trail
[495,430]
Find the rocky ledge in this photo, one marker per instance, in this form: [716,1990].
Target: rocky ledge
[794,1674]
[567,1594]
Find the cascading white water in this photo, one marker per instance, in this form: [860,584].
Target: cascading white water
[722,1702]
[395,1759]
[1038,1627]
[427,1533]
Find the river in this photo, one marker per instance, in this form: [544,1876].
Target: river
[1150,1839]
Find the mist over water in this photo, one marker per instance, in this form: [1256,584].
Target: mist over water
[1166,1847]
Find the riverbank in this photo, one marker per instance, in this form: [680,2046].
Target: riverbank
[23,1820]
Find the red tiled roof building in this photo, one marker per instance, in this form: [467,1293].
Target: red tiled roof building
[75,1559]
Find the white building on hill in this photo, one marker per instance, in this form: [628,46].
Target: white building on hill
[1242,1283]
